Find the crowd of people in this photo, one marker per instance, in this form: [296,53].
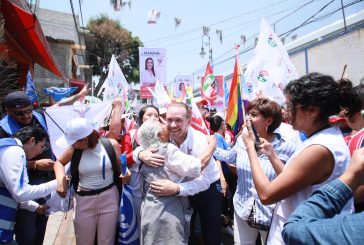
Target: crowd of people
[290,176]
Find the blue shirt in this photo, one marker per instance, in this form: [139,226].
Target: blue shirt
[246,196]
[221,143]
[314,221]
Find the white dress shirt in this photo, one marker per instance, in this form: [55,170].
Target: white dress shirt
[195,144]
[178,165]
[12,163]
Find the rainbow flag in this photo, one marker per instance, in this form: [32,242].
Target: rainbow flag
[234,115]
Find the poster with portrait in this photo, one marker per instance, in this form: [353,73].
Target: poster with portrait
[219,101]
[152,66]
[180,85]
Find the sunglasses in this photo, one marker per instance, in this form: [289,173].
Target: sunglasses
[22,113]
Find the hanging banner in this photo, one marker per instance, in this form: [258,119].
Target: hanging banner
[152,66]
[180,86]
[218,99]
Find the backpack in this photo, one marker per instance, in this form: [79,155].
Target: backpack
[75,161]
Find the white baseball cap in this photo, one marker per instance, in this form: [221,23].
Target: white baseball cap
[76,129]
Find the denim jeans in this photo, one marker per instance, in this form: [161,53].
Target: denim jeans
[315,221]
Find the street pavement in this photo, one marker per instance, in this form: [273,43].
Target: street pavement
[60,230]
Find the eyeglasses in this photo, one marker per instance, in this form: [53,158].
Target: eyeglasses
[22,113]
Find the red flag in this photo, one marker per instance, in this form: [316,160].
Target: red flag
[208,70]
[197,121]
[208,85]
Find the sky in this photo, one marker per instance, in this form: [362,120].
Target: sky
[233,18]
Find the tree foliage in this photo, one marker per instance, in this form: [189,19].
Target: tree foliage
[110,37]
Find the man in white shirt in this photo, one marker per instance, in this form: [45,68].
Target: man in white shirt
[204,192]
[14,187]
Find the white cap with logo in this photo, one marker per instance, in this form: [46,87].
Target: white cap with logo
[76,129]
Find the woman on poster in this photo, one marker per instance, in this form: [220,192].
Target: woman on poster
[149,75]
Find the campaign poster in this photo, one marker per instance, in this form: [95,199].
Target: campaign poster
[152,66]
[218,100]
[180,85]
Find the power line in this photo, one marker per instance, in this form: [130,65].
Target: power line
[240,25]
[293,29]
[167,38]
[277,21]
[312,16]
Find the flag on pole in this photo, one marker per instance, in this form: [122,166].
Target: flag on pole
[59,93]
[115,83]
[128,228]
[226,93]
[270,69]
[57,117]
[208,88]
[208,70]
[197,121]
[160,96]
[30,89]
[234,115]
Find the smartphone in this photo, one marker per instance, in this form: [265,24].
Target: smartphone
[257,140]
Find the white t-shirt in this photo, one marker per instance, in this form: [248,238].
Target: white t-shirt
[90,169]
[333,140]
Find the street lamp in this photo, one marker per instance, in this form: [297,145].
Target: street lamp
[204,43]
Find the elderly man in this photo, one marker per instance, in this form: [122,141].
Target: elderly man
[14,187]
[204,191]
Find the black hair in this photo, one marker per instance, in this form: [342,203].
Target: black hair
[354,102]
[216,122]
[146,61]
[317,90]
[25,133]
[142,112]
[268,108]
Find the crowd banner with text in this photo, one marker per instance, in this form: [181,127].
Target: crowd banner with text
[152,66]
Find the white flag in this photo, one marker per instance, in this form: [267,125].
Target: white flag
[160,96]
[270,69]
[115,83]
[57,117]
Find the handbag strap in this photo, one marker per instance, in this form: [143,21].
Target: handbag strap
[75,162]
[106,143]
